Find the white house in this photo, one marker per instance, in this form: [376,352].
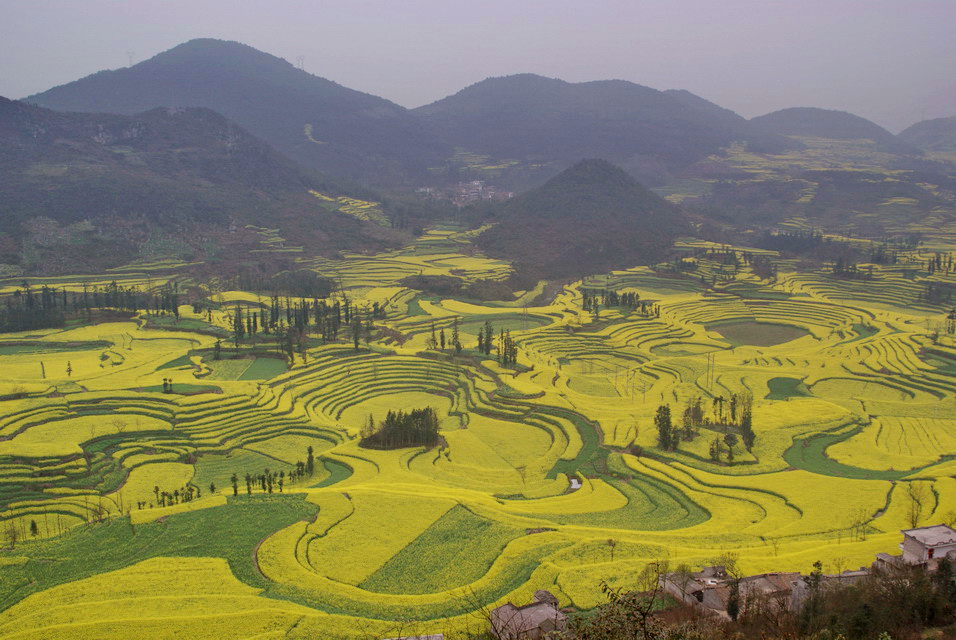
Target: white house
[926,545]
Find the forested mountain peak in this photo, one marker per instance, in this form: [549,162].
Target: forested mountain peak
[823,123]
[313,120]
[590,218]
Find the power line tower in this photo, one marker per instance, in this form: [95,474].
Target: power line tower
[300,62]
[129,57]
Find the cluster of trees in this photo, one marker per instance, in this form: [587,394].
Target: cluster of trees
[270,481]
[800,242]
[507,349]
[668,438]
[29,308]
[883,254]
[762,266]
[937,292]
[734,415]
[418,428]
[486,339]
[940,263]
[504,346]
[609,298]
[594,299]
[441,340]
[301,283]
[847,269]
[897,601]
[289,322]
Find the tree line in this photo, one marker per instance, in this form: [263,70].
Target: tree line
[288,323]
[29,308]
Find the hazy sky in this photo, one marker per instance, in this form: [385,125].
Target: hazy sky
[893,61]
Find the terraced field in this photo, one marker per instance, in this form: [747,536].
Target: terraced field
[152,477]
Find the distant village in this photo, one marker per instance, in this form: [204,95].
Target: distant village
[465,192]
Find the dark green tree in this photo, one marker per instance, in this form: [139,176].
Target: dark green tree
[665,430]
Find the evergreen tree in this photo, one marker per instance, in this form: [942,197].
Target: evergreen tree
[665,431]
[730,440]
[456,337]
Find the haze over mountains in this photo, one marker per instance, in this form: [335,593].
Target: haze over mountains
[827,123]
[535,126]
[938,134]
[317,122]
[516,131]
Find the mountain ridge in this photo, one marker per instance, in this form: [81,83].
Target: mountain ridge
[179,173]
[313,120]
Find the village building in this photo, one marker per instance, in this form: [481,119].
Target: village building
[710,589]
[530,622]
[923,546]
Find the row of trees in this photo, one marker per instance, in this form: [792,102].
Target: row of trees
[289,323]
[29,308]
[441,340]
[306,317]
[270,481]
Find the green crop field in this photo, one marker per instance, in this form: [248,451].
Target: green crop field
[151,464]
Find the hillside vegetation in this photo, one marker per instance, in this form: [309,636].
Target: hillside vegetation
[89,191]
[315,121]
[591,218]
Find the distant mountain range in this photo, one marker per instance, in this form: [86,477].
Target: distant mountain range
[315,121]
[518,129]
[92,189]
[538,120]
[207,137]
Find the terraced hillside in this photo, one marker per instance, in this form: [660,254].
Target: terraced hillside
[152,464]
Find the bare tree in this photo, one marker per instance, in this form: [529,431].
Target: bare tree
[859,524]
[611,543]
[918,497]
[840,563]
[683,577]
